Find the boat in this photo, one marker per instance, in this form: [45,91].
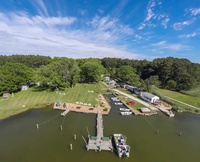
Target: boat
[118,103]
[126,113]
[115,99]
[124,109]
[123,150]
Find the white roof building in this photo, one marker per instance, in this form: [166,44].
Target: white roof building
[149,97]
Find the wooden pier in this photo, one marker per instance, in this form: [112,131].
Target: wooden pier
[99,142]
[65,112]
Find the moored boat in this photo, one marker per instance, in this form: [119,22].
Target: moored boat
[118,103]
[124,109]
[122,148]
[126,113]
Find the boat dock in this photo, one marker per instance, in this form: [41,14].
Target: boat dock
[65,112]
[99,142]
[167,112]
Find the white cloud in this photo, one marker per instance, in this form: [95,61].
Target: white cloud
[82,12]
[164,22]
[189,35]
[40,6]
[194,11]
[101,11]
[181,25]
[23,34]
[152,19]
[170,46]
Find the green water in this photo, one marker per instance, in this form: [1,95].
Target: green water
[20,141]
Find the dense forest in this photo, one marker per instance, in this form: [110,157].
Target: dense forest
[58,73]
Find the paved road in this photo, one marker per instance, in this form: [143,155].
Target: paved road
[182,103]
[136,99]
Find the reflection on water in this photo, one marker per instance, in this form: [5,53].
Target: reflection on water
[20,141]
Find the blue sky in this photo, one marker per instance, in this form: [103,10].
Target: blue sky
[134,29]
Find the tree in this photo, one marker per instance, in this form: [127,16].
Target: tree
[60,73]
[127,73]
[13,76]
[91,71]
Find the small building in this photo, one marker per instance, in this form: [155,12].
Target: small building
[145,111]
[107,79]
[24,87]
[112,82]
[6,96]
[149,97]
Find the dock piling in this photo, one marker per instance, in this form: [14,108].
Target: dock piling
[37,126]
[71,147]
[61,128]
[75,136]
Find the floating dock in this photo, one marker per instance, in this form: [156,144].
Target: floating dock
[65,112]
[99,142]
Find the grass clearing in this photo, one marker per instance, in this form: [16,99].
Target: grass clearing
[192,100]
[32,98]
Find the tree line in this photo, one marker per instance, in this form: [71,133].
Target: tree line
[61,72]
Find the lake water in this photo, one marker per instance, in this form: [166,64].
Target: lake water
[20,141]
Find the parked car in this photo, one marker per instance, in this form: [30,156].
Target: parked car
[131,103]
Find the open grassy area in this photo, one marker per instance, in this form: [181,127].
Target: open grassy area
[126,99]
[192,100]
[32,98]
[193,92]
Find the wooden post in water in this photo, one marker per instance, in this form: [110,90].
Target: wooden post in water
[37,126]
[61,127]
[88,132]
[75,136]
[71,147]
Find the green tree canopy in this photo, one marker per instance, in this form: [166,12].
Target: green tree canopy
[13,76]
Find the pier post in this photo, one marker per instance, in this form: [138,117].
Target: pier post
[71,147]
[75,136]
[37,126]
[61,127]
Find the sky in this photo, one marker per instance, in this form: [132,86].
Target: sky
[134,29]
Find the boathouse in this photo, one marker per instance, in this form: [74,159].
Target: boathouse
[149,97]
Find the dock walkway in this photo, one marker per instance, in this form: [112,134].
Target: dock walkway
[99,142]
[65,112]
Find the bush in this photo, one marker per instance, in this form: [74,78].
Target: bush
[105,109]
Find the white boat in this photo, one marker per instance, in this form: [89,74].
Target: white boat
[122,148]
[124,109]
[118,103]
[115,99]
[126,113]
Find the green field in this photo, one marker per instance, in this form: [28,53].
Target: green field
[32,98]
[192,100]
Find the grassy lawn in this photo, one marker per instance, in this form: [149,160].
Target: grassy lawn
[126,99]
[32,98]
[192,100]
